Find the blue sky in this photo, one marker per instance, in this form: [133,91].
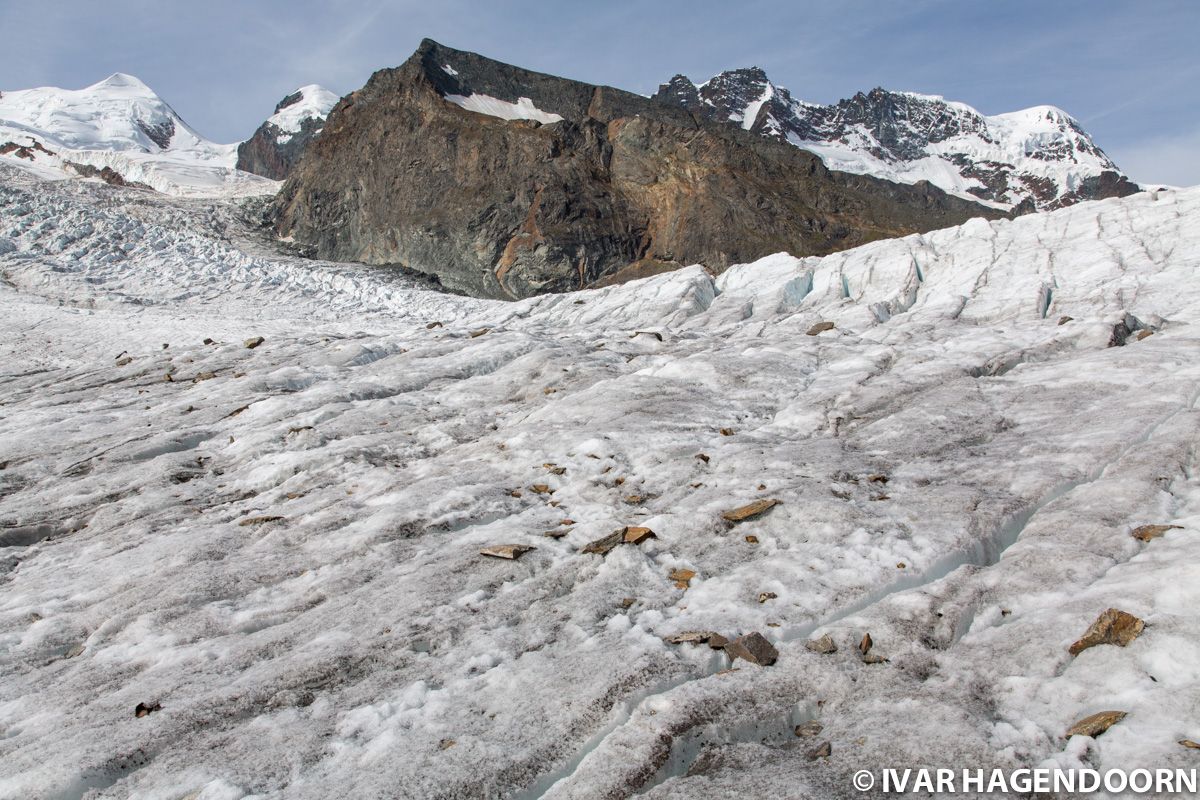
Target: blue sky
[1129,71]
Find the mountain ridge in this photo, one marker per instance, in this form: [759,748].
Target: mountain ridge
[1036,158]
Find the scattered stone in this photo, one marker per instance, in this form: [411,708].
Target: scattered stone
[124,360]
[901,565]
[515,493]
[823,645]
[1111,627]
[475,334]
[566,522]
[1148,532]
[606,544]
[1189,743]
[717,641]
[878,478]
[146,709]
[1064,320]
[248,521]
[509,552]
[554,469]
[820,328]
[1144,335]
[752,539]
[753,647]
[167,378]
[627,602]
[636,535]
[430,326]
[762,487]
[765,596]
[692,637]
[446,744]
[208,341]
[750,510]
[655,334]
[75,651]
[1095,724]
[726,431]
[557,533]
[703,457]
[541,488]
[204,376]
[811,728]
[299,429]
[682,577]
[236,411]
[253,342]
[633,499]
[549,390]
[872,658]
[823,750]
[865,645]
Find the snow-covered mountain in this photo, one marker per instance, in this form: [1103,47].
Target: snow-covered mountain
[280,141]
[252,567]
[119,131]
[1039,156]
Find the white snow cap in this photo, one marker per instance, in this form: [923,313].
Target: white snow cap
[122,124]
[315,103]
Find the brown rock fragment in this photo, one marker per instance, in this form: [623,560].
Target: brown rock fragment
[248,521]
[604,545]
[750,510]
[753,647]
[146,709]
[1111,627]
[820,328]
[810,728]
[823,645]
[1147,532]
[823,750]
[637,535]
[682,577]
[1095,724]
[253,342]
[506,551]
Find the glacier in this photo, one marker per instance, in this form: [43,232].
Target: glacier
[233,571]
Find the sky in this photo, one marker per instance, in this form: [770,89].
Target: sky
[1128,71]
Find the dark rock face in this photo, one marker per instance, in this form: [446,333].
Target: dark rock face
[900,127]
[272,151]
[621,185]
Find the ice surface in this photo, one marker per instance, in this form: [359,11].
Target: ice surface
[280,545]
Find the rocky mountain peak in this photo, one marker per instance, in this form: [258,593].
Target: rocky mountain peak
[281,140]
[1039,156]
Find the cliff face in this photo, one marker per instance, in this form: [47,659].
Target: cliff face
[507,183]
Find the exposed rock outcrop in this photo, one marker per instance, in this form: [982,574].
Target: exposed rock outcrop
[508,183]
